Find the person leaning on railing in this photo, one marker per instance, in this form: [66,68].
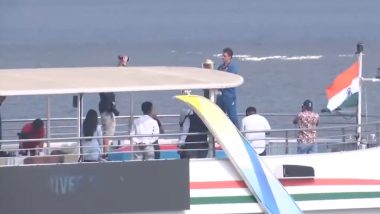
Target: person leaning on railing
[256,127]
[33,130]
[145,125]
[307,121]
[195,146]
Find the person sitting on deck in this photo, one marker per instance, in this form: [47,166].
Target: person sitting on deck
[33,130]
[92,149]
[145,125]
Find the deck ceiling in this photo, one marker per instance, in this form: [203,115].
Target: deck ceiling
[45,81]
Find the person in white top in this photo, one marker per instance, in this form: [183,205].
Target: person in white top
[255,122]
[92,149]
[145,125]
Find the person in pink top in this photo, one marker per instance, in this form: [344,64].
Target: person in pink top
[307,122]
[33,130]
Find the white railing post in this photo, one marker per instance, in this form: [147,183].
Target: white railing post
[359,52]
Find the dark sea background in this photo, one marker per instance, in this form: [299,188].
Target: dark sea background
[287,51]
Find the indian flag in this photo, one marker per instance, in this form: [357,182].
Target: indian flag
[344,90]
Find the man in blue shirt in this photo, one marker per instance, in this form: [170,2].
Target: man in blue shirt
[227,100]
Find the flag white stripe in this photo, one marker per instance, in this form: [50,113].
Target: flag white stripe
[335,101]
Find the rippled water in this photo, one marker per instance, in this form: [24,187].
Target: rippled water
[287,51]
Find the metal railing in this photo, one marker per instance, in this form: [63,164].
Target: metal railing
[68,126]
[280,141]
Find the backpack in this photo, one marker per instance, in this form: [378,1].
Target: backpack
[184,119]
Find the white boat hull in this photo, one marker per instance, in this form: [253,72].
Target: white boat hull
[344,182]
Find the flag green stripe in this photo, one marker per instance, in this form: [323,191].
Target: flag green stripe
[351,101]
[297,197]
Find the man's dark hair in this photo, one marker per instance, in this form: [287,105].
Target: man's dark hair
[250,110]
[147,107]
[228,51]
[37,124]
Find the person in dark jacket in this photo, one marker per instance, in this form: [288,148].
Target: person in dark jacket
[196,146]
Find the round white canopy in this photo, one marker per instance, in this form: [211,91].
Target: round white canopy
[44,81]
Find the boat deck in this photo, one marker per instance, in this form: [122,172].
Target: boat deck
[333,138]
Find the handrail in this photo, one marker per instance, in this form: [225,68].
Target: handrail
[63,119]
[281,141]
[179,134]
[177,115]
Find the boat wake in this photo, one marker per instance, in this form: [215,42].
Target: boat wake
[346,55]
[276,57]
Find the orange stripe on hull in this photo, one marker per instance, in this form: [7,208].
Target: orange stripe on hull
[286,182]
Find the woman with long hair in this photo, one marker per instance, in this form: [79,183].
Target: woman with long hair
[92,148]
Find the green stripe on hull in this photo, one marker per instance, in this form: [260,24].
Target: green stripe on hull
[334,196]
[297,197]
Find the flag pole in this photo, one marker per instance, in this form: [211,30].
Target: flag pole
[359,53]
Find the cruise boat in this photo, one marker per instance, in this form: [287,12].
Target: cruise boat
[234,179]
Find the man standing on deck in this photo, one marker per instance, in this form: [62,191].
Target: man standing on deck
[2,98]
[227,100]
[307,121]
[145,125]
[107,109]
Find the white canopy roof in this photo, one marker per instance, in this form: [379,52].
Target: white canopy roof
[43,81]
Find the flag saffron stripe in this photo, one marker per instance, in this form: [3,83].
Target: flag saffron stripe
[343,80]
